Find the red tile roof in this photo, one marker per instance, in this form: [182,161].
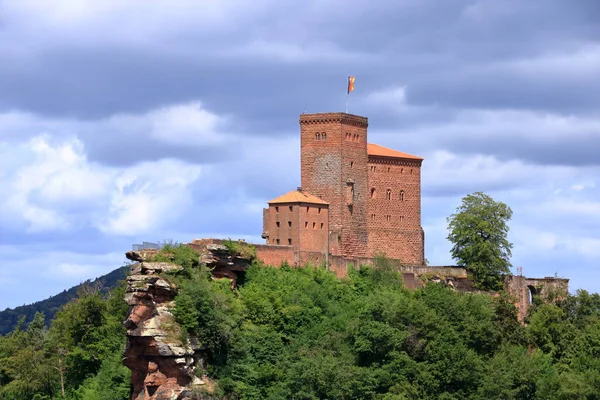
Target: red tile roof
[298,197]
[380,151]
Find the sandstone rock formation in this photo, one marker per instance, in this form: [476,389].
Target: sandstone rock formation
[163,367]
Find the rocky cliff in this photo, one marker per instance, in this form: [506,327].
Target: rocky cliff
[165,364]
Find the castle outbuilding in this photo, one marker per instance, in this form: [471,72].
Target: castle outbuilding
[357,199]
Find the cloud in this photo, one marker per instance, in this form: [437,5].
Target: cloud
[179,121]
[148,196]
[60,189]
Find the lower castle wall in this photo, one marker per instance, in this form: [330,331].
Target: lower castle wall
[274,255]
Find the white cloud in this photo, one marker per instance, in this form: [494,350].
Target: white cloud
[56,174]
[50,185]
[148,195]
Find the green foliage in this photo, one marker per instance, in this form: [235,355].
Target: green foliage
[240,248]
[291,333]
[180,254]
[84,344]
[478,233]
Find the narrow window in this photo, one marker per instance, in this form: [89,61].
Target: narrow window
[290,224]
[291,208]
[388,218]
[402,218]
[276,209]
[290,242]
[372,216]
[324,136]
[351,164]
[305,224]
[317,136]
[402,195]
[358,138]
[321,225]
[277,223]
[319,210]
[307,209]
[401,170]
[388,169]
[277,241]
[411,171]
[388,194]
[314,225]
[372,193]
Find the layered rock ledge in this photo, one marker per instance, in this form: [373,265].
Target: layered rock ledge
[165,364]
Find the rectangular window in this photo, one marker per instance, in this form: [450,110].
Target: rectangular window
[276,209]
[306,224]
[291,208]
[277,223]
[290,242]
[321,225]
[314,225]
[307,209]
[319,210]
[277,241]
[290,224]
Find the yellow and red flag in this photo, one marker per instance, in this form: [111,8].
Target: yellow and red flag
[350,84]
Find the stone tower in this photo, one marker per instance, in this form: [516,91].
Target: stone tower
[334,164]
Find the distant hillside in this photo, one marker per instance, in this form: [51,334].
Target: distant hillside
[10,317]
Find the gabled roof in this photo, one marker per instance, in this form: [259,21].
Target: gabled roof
[380,151]
[298,197]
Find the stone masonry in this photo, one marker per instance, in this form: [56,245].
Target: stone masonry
[370,195]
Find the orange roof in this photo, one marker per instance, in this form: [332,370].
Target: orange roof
[377,150]
[298,197]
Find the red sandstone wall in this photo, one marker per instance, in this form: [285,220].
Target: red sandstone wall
[328,167]
[284,216]
[313,259]
[394,222]
[313,228]
[275,255]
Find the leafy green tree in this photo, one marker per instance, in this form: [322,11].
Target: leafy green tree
[478,233]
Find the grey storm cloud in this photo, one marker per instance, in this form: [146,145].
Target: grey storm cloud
[282,60]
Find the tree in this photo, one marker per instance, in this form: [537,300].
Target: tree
[478,232]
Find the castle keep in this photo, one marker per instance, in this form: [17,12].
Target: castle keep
[357,199]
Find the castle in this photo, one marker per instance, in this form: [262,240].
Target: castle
[357,199]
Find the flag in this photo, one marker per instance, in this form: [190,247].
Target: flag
[350,84]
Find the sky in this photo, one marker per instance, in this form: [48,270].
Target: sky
[131,121]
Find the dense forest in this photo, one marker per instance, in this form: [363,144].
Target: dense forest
[10,317]
[304,334]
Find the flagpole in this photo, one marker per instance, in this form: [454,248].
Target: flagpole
[347,97]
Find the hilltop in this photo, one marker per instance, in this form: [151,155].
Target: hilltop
[10,316]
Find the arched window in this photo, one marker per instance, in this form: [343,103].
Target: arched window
[388,194]
[324,136]
[372,193]
[402,195]
[317,136]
